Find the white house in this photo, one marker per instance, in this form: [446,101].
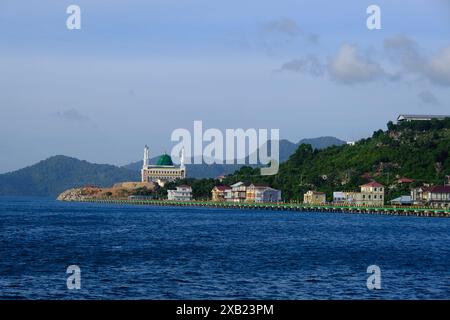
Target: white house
[182,193]
[238,192]
[262,193]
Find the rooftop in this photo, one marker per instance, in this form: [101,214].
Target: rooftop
[437,189]
[238,184]
[164,160]
[222,188]
[315,192]
[259,185]
[402,199]
[184,186]
[373,184]
[403,117]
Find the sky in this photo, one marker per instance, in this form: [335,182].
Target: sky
[138,70]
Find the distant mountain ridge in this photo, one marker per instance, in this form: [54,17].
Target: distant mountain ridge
[287,148]
[54,175]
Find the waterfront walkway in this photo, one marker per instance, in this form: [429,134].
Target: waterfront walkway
[399,211]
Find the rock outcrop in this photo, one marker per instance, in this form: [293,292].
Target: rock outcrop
[119,190]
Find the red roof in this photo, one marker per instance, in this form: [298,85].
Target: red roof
[222,188]
[366,175]
[438,189]
[373,184]
[405,180]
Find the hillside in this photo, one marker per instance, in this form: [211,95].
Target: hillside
[52,176]
[56,174]
[419,151]
[287,148]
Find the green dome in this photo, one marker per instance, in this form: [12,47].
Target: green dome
[165,160]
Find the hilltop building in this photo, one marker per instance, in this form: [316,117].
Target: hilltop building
[314,197]
[164,171]
[182,193]
[418,117]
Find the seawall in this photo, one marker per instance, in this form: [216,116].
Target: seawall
[398,211]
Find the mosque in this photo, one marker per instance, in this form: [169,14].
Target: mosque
[164,171]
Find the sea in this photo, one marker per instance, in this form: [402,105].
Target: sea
[151,252]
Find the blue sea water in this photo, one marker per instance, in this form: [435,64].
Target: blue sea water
[144,252]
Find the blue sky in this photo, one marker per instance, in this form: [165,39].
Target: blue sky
[137,70]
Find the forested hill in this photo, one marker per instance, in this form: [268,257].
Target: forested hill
[56,174]
[416,150]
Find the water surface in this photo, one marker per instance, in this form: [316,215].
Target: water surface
[144,252]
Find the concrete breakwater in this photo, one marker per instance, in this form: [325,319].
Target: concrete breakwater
[398,211]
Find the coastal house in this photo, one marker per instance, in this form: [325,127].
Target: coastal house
[339,197]
[182,193]
[314,197]
[435,196]
[371,194]
[262,193]
[221,193]
[238,192]
[401,201]
[343,197]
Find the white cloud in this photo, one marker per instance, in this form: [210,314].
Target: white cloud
[349,66]
[438,68]
[406,54]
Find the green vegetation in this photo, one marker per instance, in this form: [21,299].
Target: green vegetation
[417,150]
[52,176]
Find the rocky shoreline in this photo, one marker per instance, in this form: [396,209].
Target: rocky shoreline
[119,190]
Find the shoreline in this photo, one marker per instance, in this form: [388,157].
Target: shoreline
[394,211]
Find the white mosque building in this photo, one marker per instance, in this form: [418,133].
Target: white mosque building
[164,171]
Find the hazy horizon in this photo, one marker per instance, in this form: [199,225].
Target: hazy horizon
[138,70]
[152,156]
